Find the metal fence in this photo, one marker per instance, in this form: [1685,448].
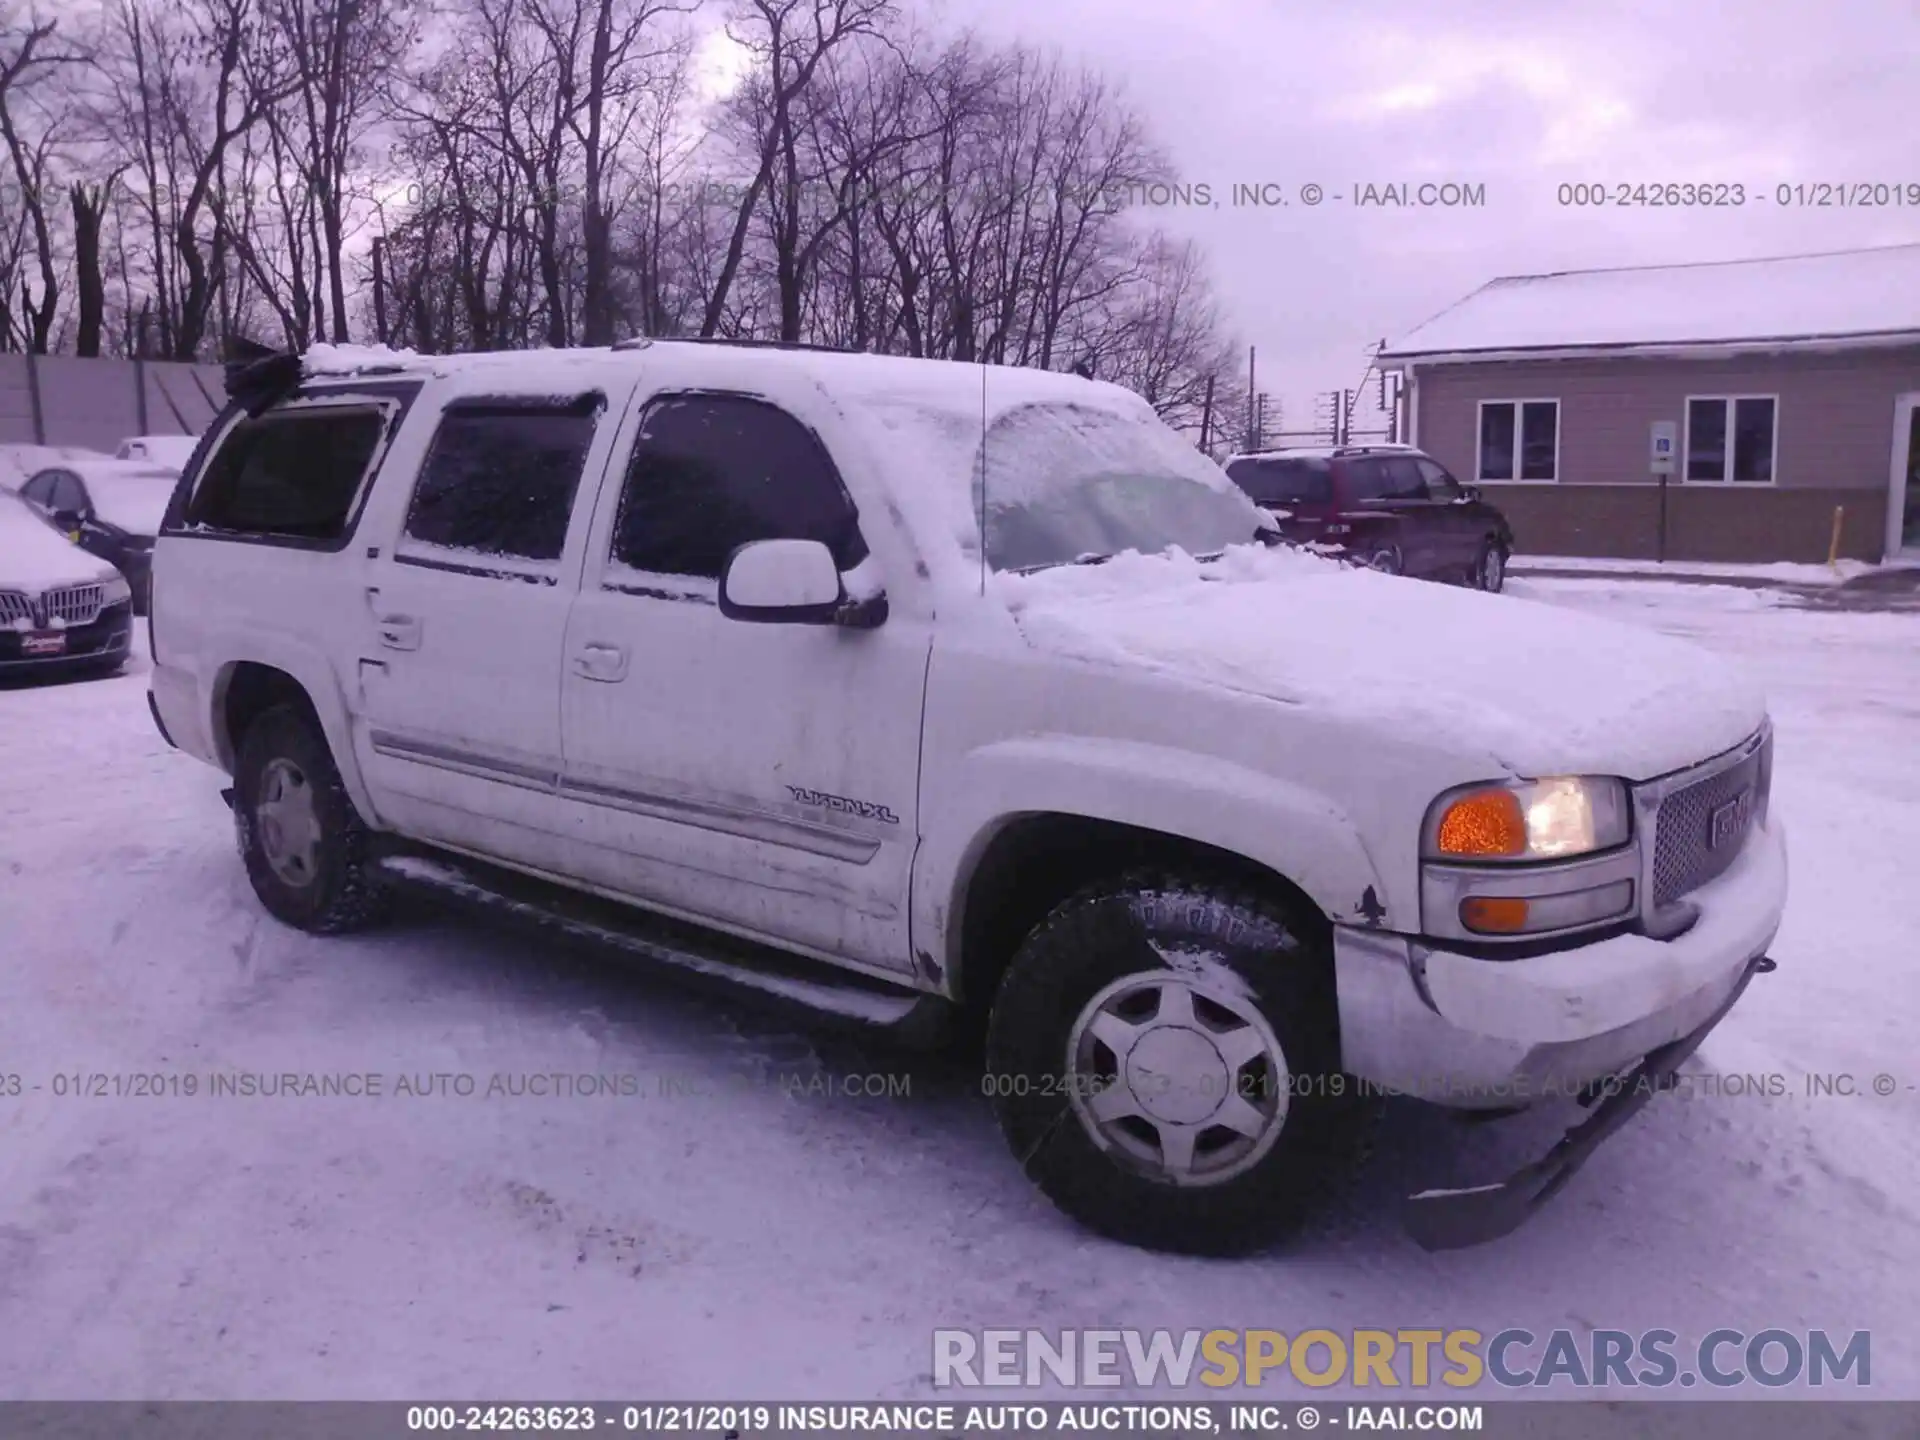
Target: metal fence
[95,403]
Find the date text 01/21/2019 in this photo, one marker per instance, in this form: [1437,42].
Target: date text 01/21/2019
[1691,194]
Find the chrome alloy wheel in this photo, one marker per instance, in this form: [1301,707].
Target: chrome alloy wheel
[1493,567]
[1184,1081]
[287,823]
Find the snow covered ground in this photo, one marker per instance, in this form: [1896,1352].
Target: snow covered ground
[735,1230]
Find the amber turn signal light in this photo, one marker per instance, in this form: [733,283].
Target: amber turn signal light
[1494,914]
[1486,823]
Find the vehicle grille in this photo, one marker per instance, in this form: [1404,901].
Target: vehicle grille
[1684,855]
[76,604]
[14,606]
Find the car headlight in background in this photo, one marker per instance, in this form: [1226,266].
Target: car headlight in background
[117,590]
[1555,818]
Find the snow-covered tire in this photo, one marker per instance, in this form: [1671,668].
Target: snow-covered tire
[1387,560]
[1257,982]
[304,845]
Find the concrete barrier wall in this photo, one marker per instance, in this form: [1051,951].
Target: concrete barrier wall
[64,400]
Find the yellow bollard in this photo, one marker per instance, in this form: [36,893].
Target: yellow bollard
[1833,546]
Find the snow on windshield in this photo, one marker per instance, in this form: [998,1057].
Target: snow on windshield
[1063,481]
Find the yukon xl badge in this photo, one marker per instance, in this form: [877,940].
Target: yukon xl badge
[865,809]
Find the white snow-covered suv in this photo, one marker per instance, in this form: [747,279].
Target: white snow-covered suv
[919,691]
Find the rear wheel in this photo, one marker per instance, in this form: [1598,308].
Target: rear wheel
[1163,1058]
[1387,560]
[304,845]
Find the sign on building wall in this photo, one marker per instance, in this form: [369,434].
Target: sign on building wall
[1663,443]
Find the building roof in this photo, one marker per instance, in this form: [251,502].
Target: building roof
[1834,300]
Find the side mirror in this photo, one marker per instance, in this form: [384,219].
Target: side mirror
[1469,493]
[790,582]
[66,519]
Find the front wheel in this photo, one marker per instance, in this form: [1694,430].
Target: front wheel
[1163,1058]
[304,845]
[1490,568]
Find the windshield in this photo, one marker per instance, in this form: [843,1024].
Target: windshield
[1068,483]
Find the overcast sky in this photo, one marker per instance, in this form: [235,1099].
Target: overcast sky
[1520,97]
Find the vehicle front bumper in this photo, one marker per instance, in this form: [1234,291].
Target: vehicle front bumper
[1609,1023]
[1493,1034]
[104,639]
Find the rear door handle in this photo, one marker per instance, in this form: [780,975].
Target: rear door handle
[399,632]
[607,663]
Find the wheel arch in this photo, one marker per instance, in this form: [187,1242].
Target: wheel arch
[245,689]
[1089,812]
[1033,861]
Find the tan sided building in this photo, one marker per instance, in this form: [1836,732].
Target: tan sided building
[1788,389]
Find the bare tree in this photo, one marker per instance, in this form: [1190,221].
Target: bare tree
[30,58]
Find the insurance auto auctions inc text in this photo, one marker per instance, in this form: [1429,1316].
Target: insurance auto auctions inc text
[1397,1359]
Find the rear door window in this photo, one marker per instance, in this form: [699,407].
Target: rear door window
[501,476]
[1295,480]
[291,473]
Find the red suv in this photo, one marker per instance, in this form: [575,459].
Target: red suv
[1387,506]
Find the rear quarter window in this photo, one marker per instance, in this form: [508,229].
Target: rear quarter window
[293,473]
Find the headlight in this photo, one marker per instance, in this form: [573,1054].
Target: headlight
[117,589]
[1551,819]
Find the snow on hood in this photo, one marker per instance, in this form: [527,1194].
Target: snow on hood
[130,495]
[1541,689]
[34,556]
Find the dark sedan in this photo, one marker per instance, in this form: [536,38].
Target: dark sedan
[1387,506]
[61,611]
[109,508]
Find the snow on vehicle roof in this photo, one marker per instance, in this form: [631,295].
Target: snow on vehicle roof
[1815,299]
[847,373]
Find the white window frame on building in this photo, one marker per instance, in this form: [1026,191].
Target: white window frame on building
[1729,429]
[1517,466]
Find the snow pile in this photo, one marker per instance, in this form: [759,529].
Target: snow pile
[1844,293]
[1544,691]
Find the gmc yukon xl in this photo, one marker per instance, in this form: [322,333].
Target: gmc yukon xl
[922,691]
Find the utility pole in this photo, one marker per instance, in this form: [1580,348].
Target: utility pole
[1206,418]
[1252,403]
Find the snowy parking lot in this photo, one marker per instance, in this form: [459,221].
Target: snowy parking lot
[761,1210]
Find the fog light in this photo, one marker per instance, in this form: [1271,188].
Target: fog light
[1494,914]
[1536,914]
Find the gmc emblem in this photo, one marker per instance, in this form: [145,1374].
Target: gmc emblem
[1728,822]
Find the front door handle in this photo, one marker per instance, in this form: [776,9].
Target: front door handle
[399,632]
[607,663]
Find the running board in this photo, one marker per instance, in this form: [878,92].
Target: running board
[895,1012]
